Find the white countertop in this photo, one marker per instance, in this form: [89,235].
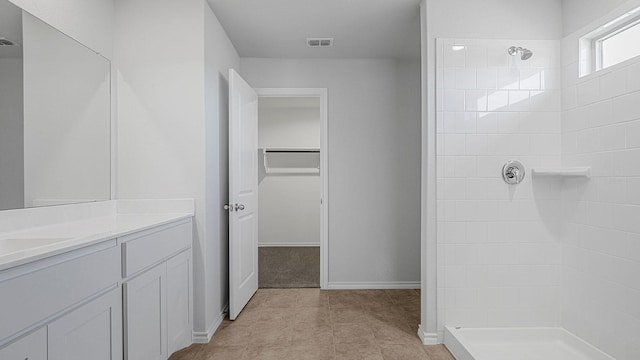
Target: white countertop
[46,241]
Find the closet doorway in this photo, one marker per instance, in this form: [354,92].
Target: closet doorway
[292,188]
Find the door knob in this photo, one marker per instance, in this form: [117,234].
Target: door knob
[239,207]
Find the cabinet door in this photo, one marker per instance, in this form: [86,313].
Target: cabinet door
[145,315]
[30,347]
[93,331]
[179,312]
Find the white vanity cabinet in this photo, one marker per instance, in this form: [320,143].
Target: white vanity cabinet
[65,307]
[29,347]
[157,290]
[92,331]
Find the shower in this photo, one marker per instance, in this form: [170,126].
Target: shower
[525,54]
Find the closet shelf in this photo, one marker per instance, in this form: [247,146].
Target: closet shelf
[281,150]
[291,160]
[567,172]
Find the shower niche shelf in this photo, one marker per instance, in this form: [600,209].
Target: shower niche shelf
[566,172]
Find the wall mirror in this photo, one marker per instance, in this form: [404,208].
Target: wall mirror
[55,110]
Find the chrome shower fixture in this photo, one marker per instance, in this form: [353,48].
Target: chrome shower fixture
[525,54]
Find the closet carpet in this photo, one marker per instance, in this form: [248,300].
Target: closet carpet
[313,324]
[289,267]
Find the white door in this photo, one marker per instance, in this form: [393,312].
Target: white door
[243,193]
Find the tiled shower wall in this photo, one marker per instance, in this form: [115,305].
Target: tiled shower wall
[601,252]
[499,252]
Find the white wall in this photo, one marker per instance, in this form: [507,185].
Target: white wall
[579,13]
[289,204]
[219,57]
[88,21]
[172,126]
[374,225]
[11,135]
[495,19]
[67,118]
[601,250]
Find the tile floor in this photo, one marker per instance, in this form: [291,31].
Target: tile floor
[298,324]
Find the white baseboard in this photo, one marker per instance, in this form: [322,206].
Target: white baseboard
[428,338]
[373,285]
[200,337]
[289,244]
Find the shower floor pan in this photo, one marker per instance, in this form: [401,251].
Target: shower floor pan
[519,344]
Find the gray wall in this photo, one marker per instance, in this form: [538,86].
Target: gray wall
[374,162]
[11,135]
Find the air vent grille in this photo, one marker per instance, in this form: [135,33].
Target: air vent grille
[7,42]
[319,42]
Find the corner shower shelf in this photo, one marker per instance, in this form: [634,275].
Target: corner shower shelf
[568,172]
[288,160]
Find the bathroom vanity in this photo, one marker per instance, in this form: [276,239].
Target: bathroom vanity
[112,281]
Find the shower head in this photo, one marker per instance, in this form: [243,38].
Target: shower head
[525,54]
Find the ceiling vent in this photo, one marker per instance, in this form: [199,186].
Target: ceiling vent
[319,42]
[7,42]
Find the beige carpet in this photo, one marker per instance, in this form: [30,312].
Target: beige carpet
[288,267]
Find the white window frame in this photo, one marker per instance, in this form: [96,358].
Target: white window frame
[614,30]
[591,44]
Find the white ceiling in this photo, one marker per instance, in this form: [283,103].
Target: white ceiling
[361,28]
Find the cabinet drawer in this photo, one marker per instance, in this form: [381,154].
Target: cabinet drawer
[147,248]
[30,347]
[30,298]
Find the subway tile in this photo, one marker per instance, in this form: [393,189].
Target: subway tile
[519,100]
[530,79]
[588,92]
[454,144]
[448,78]
[569,97]
[599,114]
[465,166]
[498,100]
[487,78]
[633,77]
[487,122]
[476,100]
[625,108]
[509,123]
[497,57]
[613,84]
[633,191]
[465,78]
[476,144]
[550,79]
[453,100]
[633,134]
[453,57]
[508,79]
[476,57]
[611,138]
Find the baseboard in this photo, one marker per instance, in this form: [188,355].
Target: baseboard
[200,337]
[289,244]
[428,338]
[373,285]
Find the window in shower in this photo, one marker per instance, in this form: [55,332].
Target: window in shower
[611,44]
